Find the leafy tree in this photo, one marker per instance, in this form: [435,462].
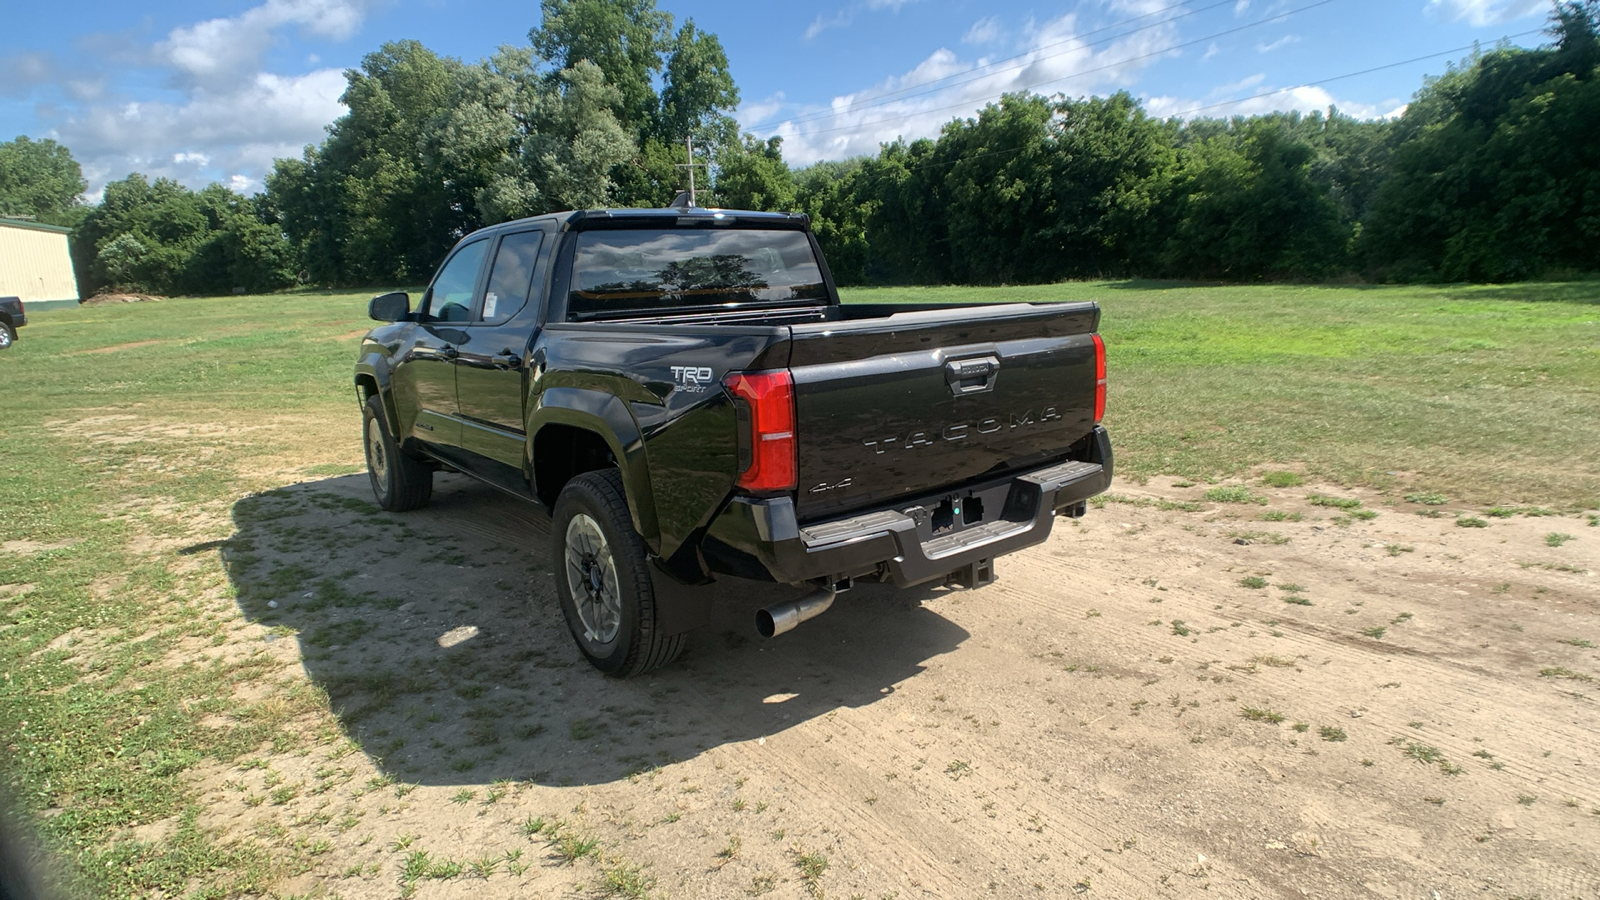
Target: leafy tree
[754,176]
[368,205]
[1496,172]
[1111,170]
[578,142]
[517,142]
[40,179]
[240,251]
[163,238]
[140,236]
[1250,209]
[625,39]
[698,91]
[1575,25]
[828,193]
[906,224]
[432,149]
[1000,190]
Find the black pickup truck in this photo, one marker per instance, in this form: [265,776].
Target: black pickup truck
[12,317]
[684,391]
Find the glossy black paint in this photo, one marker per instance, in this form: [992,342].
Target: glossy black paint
[897,407]
[394,306]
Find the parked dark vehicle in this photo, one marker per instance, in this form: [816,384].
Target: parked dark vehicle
[12,317]
[683,390]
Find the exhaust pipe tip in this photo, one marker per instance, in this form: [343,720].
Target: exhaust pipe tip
[782,618]
[766,624]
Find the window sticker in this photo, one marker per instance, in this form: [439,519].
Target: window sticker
[489,302]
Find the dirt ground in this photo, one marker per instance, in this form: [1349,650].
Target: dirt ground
[1157,702]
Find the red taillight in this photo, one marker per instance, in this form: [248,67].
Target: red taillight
[1099,378]
[769,397]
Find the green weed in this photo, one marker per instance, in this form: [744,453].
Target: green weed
[1334,502]
[1233,494]
[812,865]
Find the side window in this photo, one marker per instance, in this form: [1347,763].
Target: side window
[512,276]
[451,300]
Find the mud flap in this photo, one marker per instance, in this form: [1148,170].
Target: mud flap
[679,607]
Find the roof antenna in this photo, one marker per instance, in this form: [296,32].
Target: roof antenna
[685,199]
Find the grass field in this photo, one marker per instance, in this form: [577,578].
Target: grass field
[131,432]
[1487,394]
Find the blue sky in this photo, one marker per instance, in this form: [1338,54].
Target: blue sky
[214,91]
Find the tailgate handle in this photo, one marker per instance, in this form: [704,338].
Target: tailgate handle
[971,376]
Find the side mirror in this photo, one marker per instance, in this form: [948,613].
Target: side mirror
[394,306]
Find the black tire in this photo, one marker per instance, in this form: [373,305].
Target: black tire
[399,481]
[8,335]
[609,578]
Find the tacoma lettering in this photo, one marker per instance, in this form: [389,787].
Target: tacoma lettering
[959,432]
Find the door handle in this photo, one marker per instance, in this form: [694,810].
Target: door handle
[449,353]
[507,359]
[971,376]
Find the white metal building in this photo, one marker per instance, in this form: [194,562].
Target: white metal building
[35,263]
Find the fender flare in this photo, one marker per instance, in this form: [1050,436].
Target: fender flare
[609,418]
[372,377]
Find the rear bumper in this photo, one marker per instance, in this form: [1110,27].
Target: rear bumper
[905,542]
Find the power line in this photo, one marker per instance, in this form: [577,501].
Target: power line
[967,103]
[1415,59]
[1395,65]
[989,69]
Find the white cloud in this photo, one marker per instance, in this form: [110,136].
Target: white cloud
[1480,13]
[1222,90]
[844,18]
[983,31]
[21,72]
[1135,8]
[230,49]
[840,19]
[762,110]
[1211,51]
[210,135]
[224,119]
[945,86]
[1278,44]
[1299,99]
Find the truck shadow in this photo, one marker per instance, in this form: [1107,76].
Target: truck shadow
[439,641]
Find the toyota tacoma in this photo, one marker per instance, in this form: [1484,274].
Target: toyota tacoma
[685,393]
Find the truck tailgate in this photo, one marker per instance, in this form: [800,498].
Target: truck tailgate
[904,404]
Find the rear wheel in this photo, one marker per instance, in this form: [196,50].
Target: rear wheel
[603,578]
[8,335]
[400,482]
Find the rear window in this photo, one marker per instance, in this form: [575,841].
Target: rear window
[651,269]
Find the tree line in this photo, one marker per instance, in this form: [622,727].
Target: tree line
[1491,174]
